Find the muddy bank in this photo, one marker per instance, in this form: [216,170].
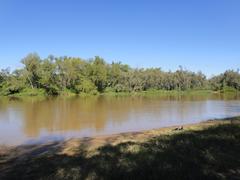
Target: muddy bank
[69,147]
[208,150]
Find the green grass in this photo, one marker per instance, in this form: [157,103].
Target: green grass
[28,92]
[210,153]
[161,93]
[66,93]
[229,90]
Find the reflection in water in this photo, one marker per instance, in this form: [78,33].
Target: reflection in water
[57,118]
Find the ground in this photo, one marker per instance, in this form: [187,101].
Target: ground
[208,150]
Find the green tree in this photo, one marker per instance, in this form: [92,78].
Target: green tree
[86,86]
[48,76]
[231,78]
[13,83]
[57,74]
[32,64]
[98,73]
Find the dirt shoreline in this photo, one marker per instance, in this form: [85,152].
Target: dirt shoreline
[92,143]
[213,144]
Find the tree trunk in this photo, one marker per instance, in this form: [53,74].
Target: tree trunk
[30,82]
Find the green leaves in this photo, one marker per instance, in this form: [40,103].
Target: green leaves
[98,73]
[85,86]
[229,78]
[32,65]
[55,75]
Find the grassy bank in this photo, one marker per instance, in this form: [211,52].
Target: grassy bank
[207,150]
[161,93]
[68,93]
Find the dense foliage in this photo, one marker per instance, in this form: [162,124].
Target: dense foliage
[55,75]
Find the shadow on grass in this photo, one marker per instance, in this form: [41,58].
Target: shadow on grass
[213,153]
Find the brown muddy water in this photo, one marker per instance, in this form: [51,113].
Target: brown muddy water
[33,120]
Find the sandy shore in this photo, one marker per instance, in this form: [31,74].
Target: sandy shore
[207,150]
[69,147]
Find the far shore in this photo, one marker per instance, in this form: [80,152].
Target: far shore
[39,94]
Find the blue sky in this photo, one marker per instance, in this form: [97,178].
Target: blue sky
[197,34]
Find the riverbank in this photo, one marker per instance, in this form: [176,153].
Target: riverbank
[208,150]
[149,93]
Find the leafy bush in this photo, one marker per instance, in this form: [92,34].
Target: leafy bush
[86,86]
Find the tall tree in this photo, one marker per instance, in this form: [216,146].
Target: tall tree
[32,64]
[98,73]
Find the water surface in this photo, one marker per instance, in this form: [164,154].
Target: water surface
[31,120]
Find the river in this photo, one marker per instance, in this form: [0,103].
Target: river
[34,120]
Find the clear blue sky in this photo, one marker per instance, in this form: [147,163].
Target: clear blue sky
[197,34]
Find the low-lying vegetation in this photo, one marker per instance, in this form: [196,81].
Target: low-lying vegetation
[69,76]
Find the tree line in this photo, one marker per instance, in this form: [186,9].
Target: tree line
[54,75]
